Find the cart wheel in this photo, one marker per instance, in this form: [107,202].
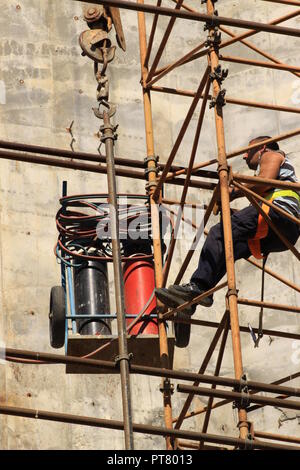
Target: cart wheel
[182,331]
[57,317]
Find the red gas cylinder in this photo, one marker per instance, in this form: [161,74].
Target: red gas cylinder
[138,287]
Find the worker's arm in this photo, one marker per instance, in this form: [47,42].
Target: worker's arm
[269,168]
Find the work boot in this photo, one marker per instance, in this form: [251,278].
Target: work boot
[187,292]
[182,330]
[172,300]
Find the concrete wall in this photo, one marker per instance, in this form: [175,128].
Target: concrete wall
[45,85]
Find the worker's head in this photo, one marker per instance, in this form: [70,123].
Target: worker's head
[253,155]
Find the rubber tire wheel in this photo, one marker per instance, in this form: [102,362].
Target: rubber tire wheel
[182,333]
[57,317]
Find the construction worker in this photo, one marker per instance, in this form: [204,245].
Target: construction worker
[250,232]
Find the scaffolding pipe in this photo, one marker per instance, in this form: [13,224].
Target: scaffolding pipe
[223,170]
[163,43]
[259,63]
[212,19]
[152,371]
[277,437]
[181,134]
[229,100]
[243,329]
[151,37]
[285,2]
[273,306]
[225,402]
[202,369]
[40,160]
[265,181]
[275,275]
[186,185]
[240,37]
[123,358]
[217,372]
[139,428]
[236,396]
[256,49]
[155,222]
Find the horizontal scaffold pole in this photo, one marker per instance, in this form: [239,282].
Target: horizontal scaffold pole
[212,20]
[236,396]
[139,428]
[145,370]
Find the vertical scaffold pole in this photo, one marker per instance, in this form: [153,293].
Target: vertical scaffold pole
[157,250]
[123,359]
[226,219]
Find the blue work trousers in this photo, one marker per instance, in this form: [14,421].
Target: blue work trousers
[212,266]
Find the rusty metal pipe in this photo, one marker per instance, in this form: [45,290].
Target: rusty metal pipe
[186,184]
[223,170]
[229,100]
[151,38]
[217,372]
[272,306]
[225,402]
[254,48]
[229,42]
[90,157]
[197,238]
[232,396]
[285,2]
[259,63]
[265,181]
[181,135]
[173,65]
[108,137]
[63,163]
[243,329]
[242,150]
[163,43]
[156,371]
[139,428]
[155,222]
[212,19]
[275,275]
[202,369]
[277,437]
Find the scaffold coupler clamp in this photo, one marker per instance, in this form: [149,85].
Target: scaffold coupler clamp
[123,357]
[232,292]
[166,386]
[244,401]
[249,441]
[151,170]
[219,100]
[155,169]
[150,186]
[151,158]
[214,37]
[218,74]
